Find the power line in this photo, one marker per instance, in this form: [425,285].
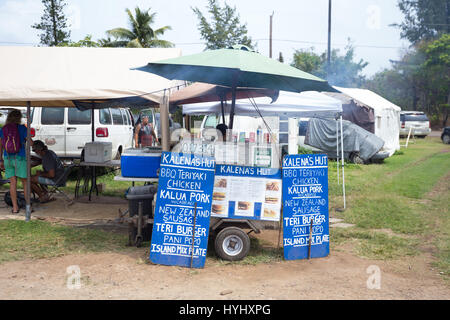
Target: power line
[261,39]
[334,44]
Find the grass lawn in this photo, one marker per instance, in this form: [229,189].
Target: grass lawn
[37,239]
[406,198]
[399,208]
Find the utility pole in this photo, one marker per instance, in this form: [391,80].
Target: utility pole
[329,38]
[270,36]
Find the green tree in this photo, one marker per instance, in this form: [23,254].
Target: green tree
[108,42]
[424,19]
[437,68]
[306,60]
[344,71]
[53,25]
[141,34]
[420,80]
[225,29]
[87,42]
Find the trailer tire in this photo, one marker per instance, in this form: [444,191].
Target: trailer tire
[232,244]
[133,240]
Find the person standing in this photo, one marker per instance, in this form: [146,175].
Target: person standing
[144,134]
[13,160]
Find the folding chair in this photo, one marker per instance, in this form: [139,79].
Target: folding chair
[53,188]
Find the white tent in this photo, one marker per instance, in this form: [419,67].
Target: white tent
[54,76]
[305,104]
[387,116]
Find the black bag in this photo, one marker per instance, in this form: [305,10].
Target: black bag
[21,202]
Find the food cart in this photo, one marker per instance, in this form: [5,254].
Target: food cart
[246,195]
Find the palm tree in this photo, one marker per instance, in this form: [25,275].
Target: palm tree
[141,34]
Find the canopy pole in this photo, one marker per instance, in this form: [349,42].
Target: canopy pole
[28,156]
[337,149]
[342,156]
[223,111]
[92,123]
[93,173]
[164,118]
[233,100]
[233,104]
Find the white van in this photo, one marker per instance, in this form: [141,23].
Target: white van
[66,130]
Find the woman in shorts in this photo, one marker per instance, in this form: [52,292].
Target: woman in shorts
[14,164]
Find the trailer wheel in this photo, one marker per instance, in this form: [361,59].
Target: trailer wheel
[232,244]
[133,240]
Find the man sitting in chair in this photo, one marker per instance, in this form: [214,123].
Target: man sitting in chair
[53,170]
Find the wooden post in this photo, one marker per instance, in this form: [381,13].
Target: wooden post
[164,118]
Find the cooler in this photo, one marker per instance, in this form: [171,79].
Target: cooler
[140,163]
[97,151]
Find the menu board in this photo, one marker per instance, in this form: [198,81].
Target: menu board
[305,206]
[183,210]
[247,193]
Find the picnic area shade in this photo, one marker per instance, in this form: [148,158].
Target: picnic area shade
[55,76]
[237,67]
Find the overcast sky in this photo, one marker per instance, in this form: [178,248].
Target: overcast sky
[297,24]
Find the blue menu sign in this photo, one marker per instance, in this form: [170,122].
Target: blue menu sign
[183,210]
[305,206]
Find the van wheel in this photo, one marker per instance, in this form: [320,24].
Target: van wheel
[118,154]
[232,244]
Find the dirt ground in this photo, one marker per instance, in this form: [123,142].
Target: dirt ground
[129,274]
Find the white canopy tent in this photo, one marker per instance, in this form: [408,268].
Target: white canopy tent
[55,76]
[305,104]
[387,116]
[58,76]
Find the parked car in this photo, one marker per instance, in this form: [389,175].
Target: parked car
[416,121]
[445,136]
[66,130]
